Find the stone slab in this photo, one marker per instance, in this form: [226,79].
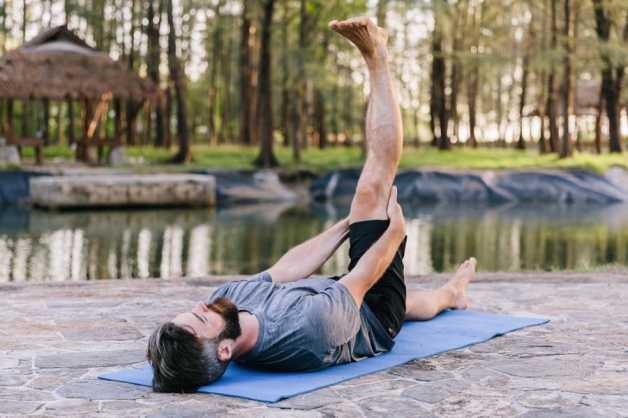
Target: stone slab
[89,359]
[123,190]
[574,367]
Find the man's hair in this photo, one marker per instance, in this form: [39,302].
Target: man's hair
[181,361]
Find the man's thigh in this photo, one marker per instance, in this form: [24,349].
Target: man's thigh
[387,298]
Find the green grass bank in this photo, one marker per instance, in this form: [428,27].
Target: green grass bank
[240,157]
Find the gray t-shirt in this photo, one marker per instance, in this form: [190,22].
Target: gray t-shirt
[305,325]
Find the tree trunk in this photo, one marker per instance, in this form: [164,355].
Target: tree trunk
[612,76]
[225,133]
[320,116]
[266,157]
[473,79]
[522,98]
[213,73]
[567,93]
[245,76]
[382,6]
[551,84]
[286,93]
[153,61]
[183,154]
[438,81]
[131,111]
[598,123]
[456,76]
[302,136]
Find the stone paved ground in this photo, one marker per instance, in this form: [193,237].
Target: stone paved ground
[55,339]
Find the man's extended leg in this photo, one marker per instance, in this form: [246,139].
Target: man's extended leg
[384,137]
[425,304]
[384,133]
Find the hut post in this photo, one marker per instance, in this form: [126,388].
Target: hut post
[46,122]
[117,122]
[9,119]
[148,109]
[71,133]
[81,149]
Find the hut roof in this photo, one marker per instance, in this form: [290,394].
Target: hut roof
[57,64]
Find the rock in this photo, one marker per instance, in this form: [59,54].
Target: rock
[560,412]
[123,190]
[426,393]
[101,390]
[8,363]
[118,157]
[487,187]
[308,401]
[18,408]
[539,367]
[24,395]
[380,406]
[90,359]
[13,380]
[248,187]
[14,188]
[112,332]
[353,391]
[71,407]
[9,155]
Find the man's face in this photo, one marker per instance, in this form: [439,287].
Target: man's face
[201,321]
[209,321]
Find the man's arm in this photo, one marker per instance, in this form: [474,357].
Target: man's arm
[304,259]
[376,260]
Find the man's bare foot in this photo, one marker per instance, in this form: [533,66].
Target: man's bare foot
[363,33]
[458,284]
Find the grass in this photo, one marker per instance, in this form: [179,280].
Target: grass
[314,159]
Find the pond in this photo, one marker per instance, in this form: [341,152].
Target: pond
[174,243]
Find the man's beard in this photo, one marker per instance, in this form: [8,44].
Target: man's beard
[229,312]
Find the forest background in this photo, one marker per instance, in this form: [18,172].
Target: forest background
[262,78]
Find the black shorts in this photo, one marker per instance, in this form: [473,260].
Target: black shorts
[387,298]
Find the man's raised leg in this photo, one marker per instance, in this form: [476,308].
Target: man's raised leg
[384,132]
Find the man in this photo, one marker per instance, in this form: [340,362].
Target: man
[281,319]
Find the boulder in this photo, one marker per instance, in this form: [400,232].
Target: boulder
[123,190]
[251,187]
[118,157]
[488,187]
[9,155]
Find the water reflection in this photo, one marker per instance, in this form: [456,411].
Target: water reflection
[172,244]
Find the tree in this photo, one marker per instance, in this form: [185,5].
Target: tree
[566,143]
[612,72]
[473,77]
[152,63]
[183,154]
[266,157]
[246,82]
[525,69]
[550,109]
[438,100]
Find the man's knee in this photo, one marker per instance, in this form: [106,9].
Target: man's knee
[369,201]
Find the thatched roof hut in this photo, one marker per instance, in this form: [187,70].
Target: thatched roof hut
[586,96]
[57,65]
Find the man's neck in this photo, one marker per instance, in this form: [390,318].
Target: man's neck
[250,330]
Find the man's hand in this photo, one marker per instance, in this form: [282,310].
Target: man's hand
[395,214]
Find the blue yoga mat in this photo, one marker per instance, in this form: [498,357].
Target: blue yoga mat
[449,331]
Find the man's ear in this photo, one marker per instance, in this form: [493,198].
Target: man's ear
[224,351]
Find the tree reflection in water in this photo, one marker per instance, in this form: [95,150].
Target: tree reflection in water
[177,243]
